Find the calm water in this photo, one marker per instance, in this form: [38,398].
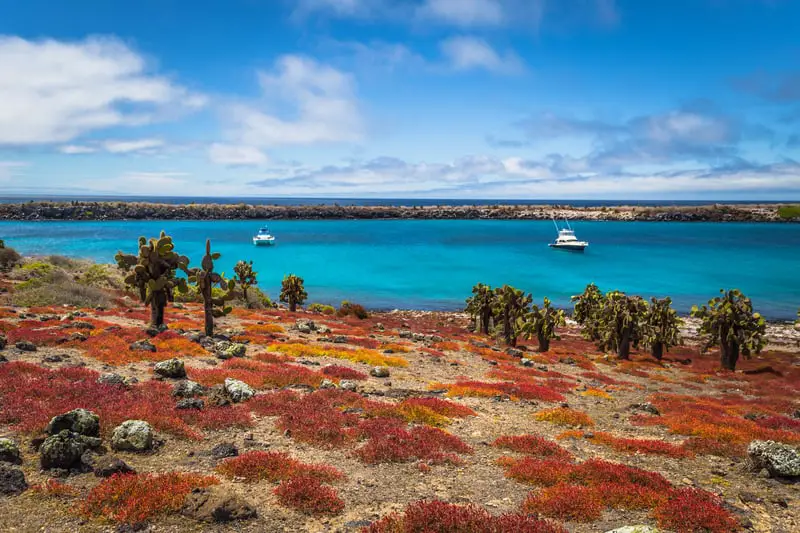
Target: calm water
[432,264]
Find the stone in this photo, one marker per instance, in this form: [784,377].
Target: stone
[238,391]
[25,346]
[107,466]
[646,407]
[406,334]
[3,342]
[780,460]
[80,324]
[379,372]
[303,325]
[190,403]
[634,529]
[229,350]
[357,524]
[526,362]
[323,329]
[9,452]
[12,480]
[142,346]
[3,359]
[155,330]
[171,368]
[513,352]
[216,505]
[194,336]
[347,384]
[111,378]
[226,449]
[132,435]
[80,421]
[54,358]
[65,449]
[218,396]
[77,336]
[339,339]
[327,384]
[187,389]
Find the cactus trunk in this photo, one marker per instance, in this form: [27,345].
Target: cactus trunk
[244,295]
[208,309]
[157,305]
[729,355]
[486,316]
[657,350]
[544,342]
[624,351]
[292,305]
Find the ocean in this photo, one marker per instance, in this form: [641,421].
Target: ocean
[433,264]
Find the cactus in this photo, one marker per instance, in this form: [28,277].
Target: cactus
[729,321]
[620,322]
[245,277]
[510,306]
[481,306]
[293,292]
[205,278]
[661,327]
[542,322]
[152,274]
[585,311]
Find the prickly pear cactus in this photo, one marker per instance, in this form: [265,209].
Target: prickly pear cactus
[205,279]
[245,277]
[293,291]
[542,322]
[152,273]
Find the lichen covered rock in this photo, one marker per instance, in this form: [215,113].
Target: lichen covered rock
[238,391]
[80,421]
[9,452]
[171,368]
[12,480]
[188,389]
[65,449]
[132,435]
[780,460]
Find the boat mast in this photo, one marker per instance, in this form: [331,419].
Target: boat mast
[556,225]
[568,226]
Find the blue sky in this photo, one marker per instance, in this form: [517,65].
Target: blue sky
[583,99]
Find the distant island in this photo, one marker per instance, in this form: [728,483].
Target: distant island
[116,210]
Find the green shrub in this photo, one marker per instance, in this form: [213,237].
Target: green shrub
[63,262]
[9,258]
[789,211]
[351,309]
[322,308]
[31,270]
[61,290]
[101,276]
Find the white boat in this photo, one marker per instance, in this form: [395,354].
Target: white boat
[263,237]
[566,239]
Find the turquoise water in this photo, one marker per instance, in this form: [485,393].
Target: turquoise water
[432,264]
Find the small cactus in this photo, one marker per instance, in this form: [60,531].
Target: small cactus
[620,322]
[152,273]
[205,279]
[481,306]
[293,292]
[542,322]
[245,277]
[661,327]
[510,306]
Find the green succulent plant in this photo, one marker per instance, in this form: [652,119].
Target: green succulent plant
[152,274]
[585,311]
[293,292]
[728,321]
[542,322]
[480,306]
[661,327]
[245,277]
[205,279]
[510,306]
[620,323]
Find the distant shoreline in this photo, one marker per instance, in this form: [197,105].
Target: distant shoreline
[118,210]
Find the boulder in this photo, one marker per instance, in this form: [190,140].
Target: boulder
[3,359]
[379,372]
[226,449]
[229,350]
[155,330]
[12,480]
[327,384]
[111,378]
[107,466]
[218,396]
[132,435]
[142,346]
[780,460]
[25,346]
[347,384]
[52,358]
[77,336]
[323,329]
[80,421]
[65,450]
[171,368]
[303,325]
[190,403]
[216,505]
[188,389]
[238,391]
[526,362]
[3,342]
[9,452]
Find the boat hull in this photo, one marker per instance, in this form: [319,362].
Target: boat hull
[568,247]
[264,242]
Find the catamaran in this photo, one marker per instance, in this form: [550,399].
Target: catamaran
[263,237]
[566,239]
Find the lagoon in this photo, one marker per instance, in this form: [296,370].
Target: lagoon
[432,264]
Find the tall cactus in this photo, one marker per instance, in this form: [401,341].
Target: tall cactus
[481,306]
[620,322]
[152,274]
[661,327]
[205,279]
[245,277]
[511,305]
[293,291]
[542,322]
[729,322]
[587,306]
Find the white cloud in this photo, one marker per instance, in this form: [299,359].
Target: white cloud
[236,155]
[54,91]
[465,13]
[320,98]
[74,149]
[8,169]
[467,53]
[134,145]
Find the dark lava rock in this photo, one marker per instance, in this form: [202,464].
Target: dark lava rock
[9,452]
[647,407]
[216,505]
[226,449]
[3,359]
[55,358]
[218,396]
[357,524]
[79,324]
[12,480]
[188,389]
[190,403]
[77,336]
[111,378]
[107,466]
[142,346]
[172,368]
[25,346]
[155,330]
[80,421]
[65,450]
[513,352]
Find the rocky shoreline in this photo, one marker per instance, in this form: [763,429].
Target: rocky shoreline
[80,210]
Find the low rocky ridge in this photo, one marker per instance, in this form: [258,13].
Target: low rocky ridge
[80,210]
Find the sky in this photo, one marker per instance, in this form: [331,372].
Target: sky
[494,99]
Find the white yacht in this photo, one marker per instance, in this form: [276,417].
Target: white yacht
[566,239]
[263,237]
